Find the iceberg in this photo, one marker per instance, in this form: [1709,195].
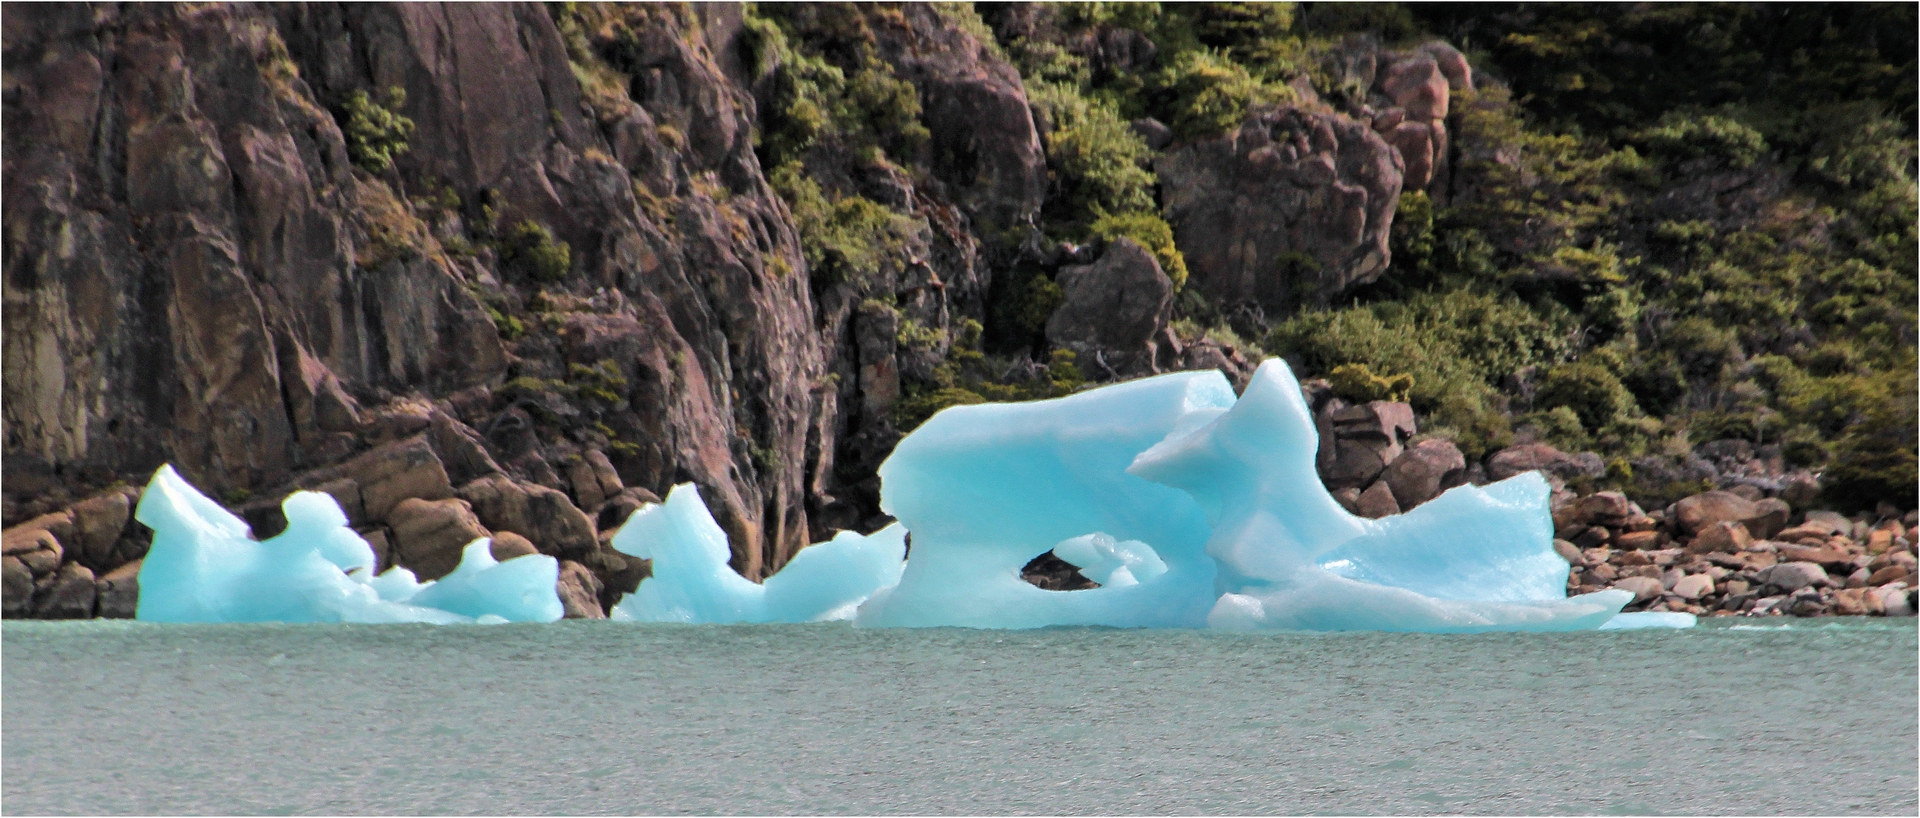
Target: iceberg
[1189,507]
[986,488]
[1292,558]
[204,567]
[692,582]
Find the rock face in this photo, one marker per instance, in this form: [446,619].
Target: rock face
[1285,212]
[198,272]
[1115,310]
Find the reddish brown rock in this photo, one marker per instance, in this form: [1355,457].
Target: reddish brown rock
[544,516]
[402,470]
[579,592]
[1536,457]
[117,593]
[1114,310]
[68,594]
[1721,536]
[507,545]
[1694,514]
[1319,189]
[1422,472]
[1377,501]
[429,535]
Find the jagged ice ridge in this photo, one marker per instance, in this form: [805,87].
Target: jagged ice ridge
[1188,506]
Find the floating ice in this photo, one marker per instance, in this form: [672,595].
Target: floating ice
[521,589]
[1291,558]
[986,488]
[1252,539]
[691,581]
[203,567]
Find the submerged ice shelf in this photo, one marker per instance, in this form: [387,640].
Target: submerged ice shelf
[1190,507]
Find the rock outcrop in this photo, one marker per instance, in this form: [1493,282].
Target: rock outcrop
[1285,212]
[1115,311]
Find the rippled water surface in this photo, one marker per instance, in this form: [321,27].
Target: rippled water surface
[117,717]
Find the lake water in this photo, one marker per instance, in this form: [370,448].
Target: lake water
[1812,716]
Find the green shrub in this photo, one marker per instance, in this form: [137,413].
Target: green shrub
[1681,136]
[531,250]
[843,240]
[1037,301]
[1152,233]
[1355,382]
[1095,159]
[1205,93]
[1590,391]
[375,133]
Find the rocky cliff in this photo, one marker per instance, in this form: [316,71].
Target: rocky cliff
[517,269]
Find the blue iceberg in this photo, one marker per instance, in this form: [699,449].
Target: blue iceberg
[986,488]
[1291,558]
[204,567]
[1187,506]
[692,583]
[1193,508]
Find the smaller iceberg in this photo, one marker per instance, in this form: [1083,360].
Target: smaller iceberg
[204,567]
[692,582]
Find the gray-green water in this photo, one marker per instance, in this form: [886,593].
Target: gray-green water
[102,717]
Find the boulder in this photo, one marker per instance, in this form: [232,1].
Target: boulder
[1528,457]
[1113,311]
[36,548]
[619,507]
[1693,514]
[463,453]
[1385,426]
[1608,508]
[428,535]
[1642,588]
[1722,536]
[1895,599]
[507,545]
[1834,524]
[1793,576]
[16,587]
[543,515]
[1768,518]
[397,471]
[1693,586]
[118,592]
[68,594]
[1567,551]
[579,592]
[1353,465]
[1422,472]
[99,522]
[1799,490]
[1850,602]
[1640,540]
[1889,574]
[1287,211]
[1377,501]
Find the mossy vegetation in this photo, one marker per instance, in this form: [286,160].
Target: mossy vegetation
[375,131]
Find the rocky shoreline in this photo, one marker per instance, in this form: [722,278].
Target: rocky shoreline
[420,498]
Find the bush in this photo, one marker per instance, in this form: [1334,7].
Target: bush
[375,134]
[1205,93]
[531,250]
[1681,136]
[1095,158]
[1355,382]
[1592,392]
[1151,232]
[843,240]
